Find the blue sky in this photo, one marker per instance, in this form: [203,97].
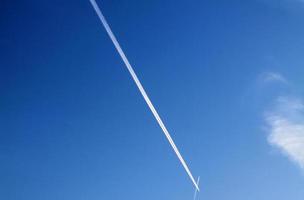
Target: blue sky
[225,76]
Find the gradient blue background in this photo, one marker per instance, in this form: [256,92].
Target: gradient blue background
[74,126]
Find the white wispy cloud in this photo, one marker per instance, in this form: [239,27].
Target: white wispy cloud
[286,128]
[273,77]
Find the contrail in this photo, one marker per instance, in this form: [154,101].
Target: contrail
[141,89]
[195,193]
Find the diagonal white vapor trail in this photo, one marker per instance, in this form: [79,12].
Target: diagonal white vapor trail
[141,89]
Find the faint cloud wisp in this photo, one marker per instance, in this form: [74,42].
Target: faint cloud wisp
[273,77]
[286,128]
[285,121]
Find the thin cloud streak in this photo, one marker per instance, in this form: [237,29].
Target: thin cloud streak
[141,89]
[273,77]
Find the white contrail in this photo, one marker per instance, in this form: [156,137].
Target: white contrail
[141,89]
[195,192]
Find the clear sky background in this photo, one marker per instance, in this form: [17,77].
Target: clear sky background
[227,77]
